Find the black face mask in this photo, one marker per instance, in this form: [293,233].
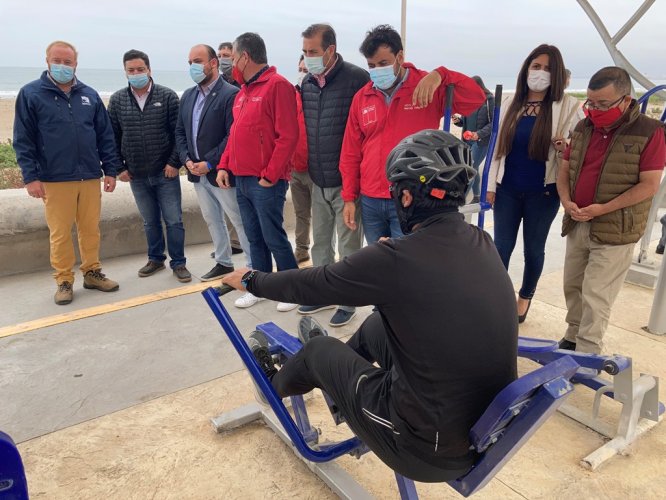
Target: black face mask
[423,206]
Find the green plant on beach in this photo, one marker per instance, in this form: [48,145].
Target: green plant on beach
[10,173]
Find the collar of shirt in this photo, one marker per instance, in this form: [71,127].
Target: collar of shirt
[388,97]
[206,90]
[74,82]
[321,79]
[145,94]
[257,75]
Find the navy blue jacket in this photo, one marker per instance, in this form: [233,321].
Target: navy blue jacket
[59,138]
[214,125]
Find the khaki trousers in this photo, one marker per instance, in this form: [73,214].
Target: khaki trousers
[593,276]
[301,196]
[67,203]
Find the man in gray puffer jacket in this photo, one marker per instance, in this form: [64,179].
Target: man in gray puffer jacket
[144,116]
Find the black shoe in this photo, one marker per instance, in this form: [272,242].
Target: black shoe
[476,199]
[182,274]
[258,344]
[151,268]
[660,249]
[309,328]
[522,317]
[566,344]
[341,318]
[235,250]
[212,255]
[217,272]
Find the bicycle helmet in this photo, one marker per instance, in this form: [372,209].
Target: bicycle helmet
[430,155]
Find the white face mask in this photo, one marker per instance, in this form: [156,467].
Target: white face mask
[299,79]
[538,80]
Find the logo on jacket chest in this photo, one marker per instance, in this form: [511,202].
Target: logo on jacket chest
[369,115]
[85,100]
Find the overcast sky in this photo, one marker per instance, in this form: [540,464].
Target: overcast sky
[483,36]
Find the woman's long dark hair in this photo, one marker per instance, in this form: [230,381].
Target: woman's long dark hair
[542,131]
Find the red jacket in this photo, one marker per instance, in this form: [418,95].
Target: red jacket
[300,158]
[375,128]
[264,134]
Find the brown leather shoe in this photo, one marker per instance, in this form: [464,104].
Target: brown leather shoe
[301,255]
[182,274]
[64,294]
[151,268]
[96,280]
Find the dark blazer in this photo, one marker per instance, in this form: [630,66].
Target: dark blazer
[214,125]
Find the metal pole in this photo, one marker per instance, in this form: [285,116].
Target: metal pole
[403,25]
[632,21]
[489,156]
[657,323]
[610,42]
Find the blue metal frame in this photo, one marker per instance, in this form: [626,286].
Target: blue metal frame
[489,157]
[643,101]
[546,351]
[13,485]
[448,108]
[513,416]
[325,453]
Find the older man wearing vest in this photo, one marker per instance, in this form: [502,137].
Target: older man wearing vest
[606,182]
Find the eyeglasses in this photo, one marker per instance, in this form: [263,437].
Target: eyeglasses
[602,107]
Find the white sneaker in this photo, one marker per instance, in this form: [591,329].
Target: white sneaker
[246,300]
[283,307]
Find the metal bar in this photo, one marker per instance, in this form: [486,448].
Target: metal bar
[632,21]
[483,204]
[403,25]
[615,446]
[446,126]
[337,479]
[237,417]
[266,388]
[406,487]
[616,55]
[657,322]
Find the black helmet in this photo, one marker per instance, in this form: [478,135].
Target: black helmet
[430,155]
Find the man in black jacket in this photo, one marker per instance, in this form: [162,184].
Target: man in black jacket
[143,116]
[327,93]
[445,333]
[204,121]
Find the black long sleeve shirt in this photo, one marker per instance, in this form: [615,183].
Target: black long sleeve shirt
[450,312]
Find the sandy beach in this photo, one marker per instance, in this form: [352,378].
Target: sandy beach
[6,118]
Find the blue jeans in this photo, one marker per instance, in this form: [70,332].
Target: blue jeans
[158,198]
[537,211]
[215,202]
[379,219]
[262,212]
[478,154]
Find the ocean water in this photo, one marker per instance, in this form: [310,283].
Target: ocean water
[107,81]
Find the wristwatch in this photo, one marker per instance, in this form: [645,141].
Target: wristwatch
[247,277]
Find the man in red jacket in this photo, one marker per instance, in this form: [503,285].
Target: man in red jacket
[258,156]
[398,101]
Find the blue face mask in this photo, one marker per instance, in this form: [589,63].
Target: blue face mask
[138,81]
[383,78]
[61,73]
[315,64]
[197,72]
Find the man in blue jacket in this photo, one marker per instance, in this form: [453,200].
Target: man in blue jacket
[64,142]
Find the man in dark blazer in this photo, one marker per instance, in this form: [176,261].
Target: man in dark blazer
[204,121]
